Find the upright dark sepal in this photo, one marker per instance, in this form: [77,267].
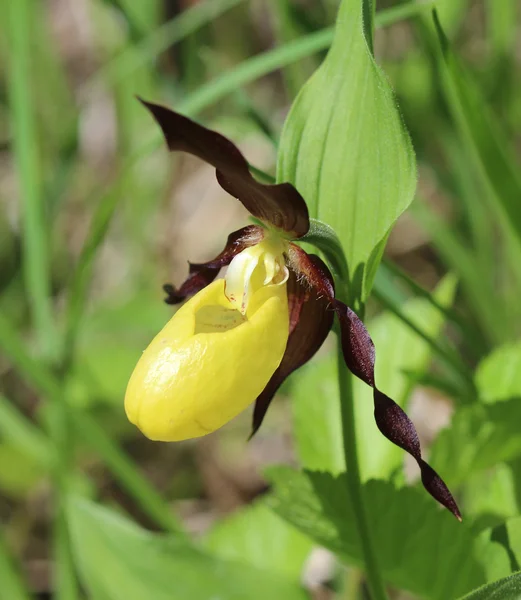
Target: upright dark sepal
[359,355]
[202,274]
[311,319]
[280,206]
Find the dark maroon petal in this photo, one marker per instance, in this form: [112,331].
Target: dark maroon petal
[357,346]
[358,350]
[313,269]
[280,205]
[311,319]
[202,274]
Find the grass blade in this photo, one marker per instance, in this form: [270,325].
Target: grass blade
[480,134]
[447,355]
[476,344]
[36,265]
[150,47]
[13,585]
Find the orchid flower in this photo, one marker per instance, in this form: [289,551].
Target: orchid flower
[237,339]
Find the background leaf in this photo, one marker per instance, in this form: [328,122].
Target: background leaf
[257,536]
[118,560]
[345,149]
[420,548]
[498,376]
[478,438]
[483,139]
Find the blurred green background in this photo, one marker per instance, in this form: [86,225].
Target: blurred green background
[95,216]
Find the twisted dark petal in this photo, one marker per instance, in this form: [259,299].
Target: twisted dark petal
[358,350]
[311,319]
[278,205]
[437,488]
[357,346]
[202,274]
[395,424]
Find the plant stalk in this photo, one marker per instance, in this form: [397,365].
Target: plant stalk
[374,577]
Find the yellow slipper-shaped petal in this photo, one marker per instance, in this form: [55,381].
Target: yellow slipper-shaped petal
[208,363]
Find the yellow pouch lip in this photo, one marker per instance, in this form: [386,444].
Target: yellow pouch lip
[146,401]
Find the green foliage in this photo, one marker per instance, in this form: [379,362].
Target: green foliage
[258,537]
[498,376]
[136,564]
[417,546]
[402,358]
[85,244]
[344,144]
[478,438]
[508,588]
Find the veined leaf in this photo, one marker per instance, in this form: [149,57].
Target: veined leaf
[419,548]
[346,150]
[118,560]
[508,588]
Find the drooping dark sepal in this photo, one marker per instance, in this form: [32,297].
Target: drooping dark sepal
[359,355]
[202,274]
[311,318]
[280,206]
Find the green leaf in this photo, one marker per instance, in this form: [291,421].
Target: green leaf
[490,496]
[317,425]
[508,588]
[401,356]
[345,148]
[479,437]
[498,376]
[258,537]
[419,547]
[452,13]
[118,560]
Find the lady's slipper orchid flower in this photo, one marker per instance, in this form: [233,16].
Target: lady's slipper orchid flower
[236,340]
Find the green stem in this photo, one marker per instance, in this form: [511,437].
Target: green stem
[324,237]
[374,577]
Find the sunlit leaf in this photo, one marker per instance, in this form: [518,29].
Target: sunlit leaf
[490,496]
[419,547]
[118,560]
[345,148]
[498,376]
[258,537]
